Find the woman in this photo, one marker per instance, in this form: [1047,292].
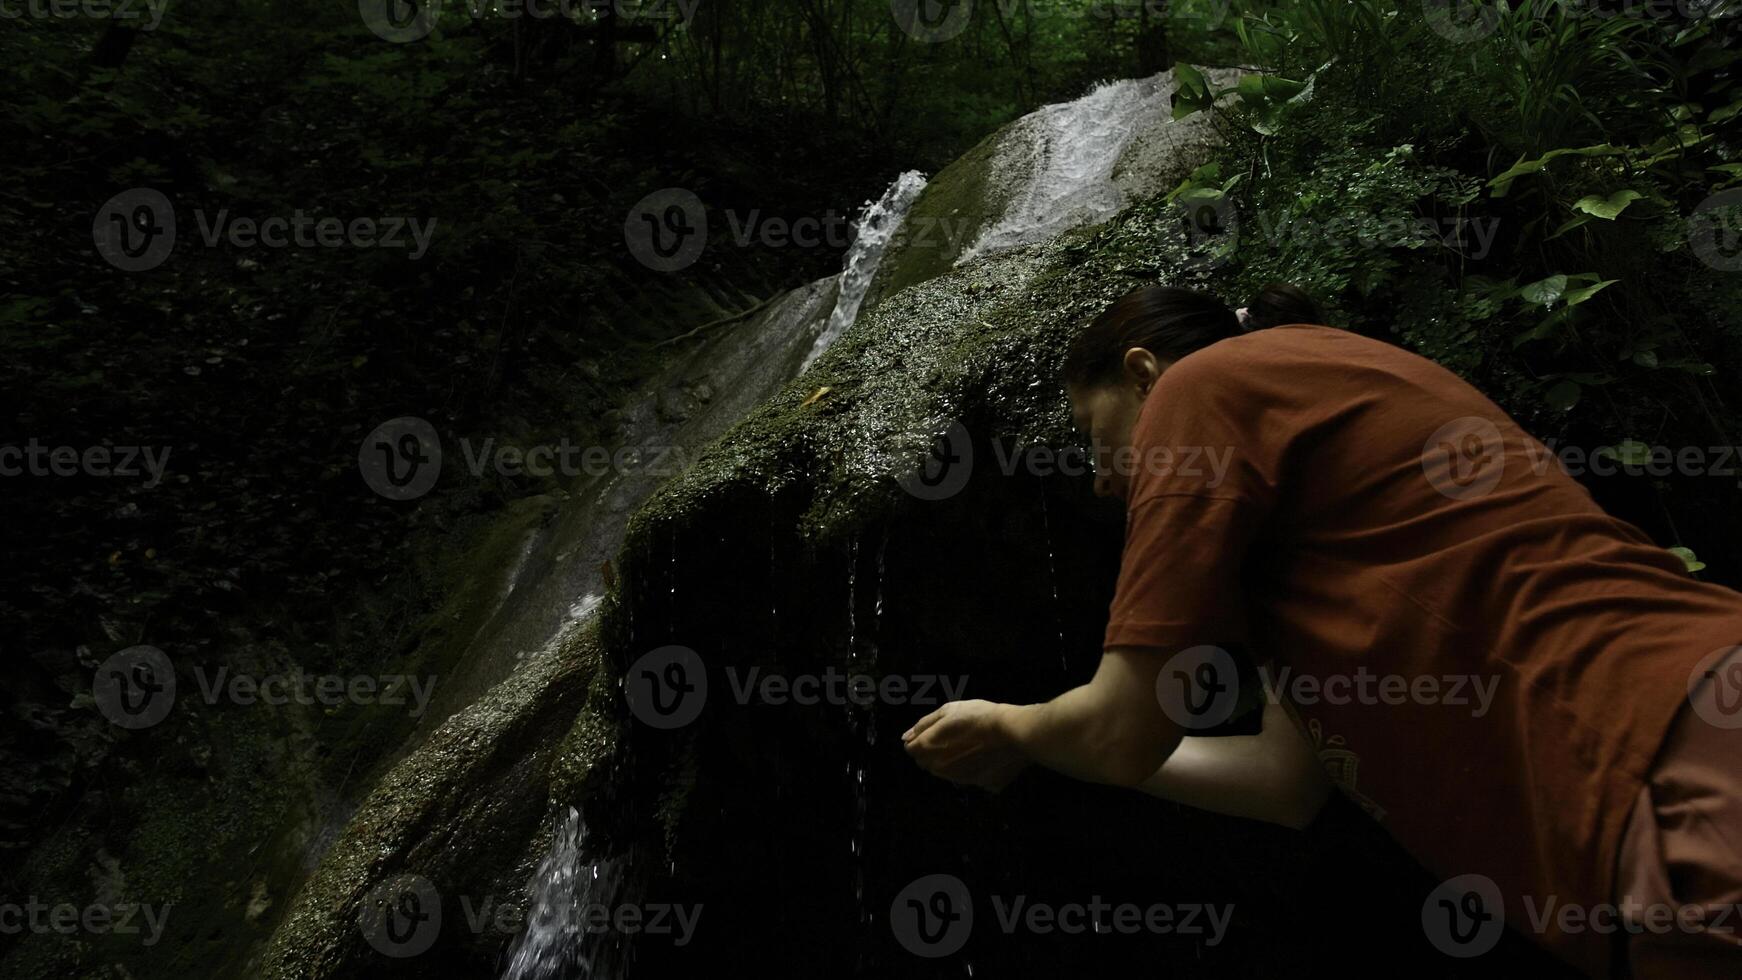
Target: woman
[1526,692]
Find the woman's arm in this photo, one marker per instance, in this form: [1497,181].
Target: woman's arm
[1111,730]
[1274,776]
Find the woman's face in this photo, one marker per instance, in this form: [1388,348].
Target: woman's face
[1106,413]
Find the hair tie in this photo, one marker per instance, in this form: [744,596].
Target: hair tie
[1245,318]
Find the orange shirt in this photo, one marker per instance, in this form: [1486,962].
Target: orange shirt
[1486,660]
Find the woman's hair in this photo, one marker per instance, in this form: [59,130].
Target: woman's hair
[1278,304]
[1171,322]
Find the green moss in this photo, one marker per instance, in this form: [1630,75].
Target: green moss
[948,216]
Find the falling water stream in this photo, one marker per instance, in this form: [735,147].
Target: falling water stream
[568,884]
[872,236]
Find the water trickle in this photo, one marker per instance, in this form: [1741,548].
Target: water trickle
[852,600]
[557,942]
[671,619]
[872,234]
[882,554]
[1052,573]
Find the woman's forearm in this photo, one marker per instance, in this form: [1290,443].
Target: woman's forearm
[1274,776]
[1111,730]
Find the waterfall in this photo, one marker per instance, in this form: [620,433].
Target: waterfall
[557,943]
[1059,168]
[701,392]
[873,233]
[1061,164]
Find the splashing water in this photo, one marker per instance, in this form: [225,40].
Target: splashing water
[876,228]
[1061,161]
[557,943]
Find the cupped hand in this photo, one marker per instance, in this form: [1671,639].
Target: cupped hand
[966,742]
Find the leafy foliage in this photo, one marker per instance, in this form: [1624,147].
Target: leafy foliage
[1520,195]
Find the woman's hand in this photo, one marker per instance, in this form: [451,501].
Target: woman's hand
[967,742]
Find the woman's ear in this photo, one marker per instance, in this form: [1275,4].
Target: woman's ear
[1142,368]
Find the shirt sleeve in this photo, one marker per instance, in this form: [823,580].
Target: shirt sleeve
[1204,483]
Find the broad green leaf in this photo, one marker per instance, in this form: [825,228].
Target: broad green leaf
[1687,556]
[1564,395]
[1279,89]
[1700,368]
[1607,208]
[1547,328]
[1627,452]
[1577,296]
[1192,94]
[1577,221]
[1207,175]
[1645,358]
[1503,183]
[1544,292]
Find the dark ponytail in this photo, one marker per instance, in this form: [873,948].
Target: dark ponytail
[1171,322]
[1168,321]
[1278,304]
